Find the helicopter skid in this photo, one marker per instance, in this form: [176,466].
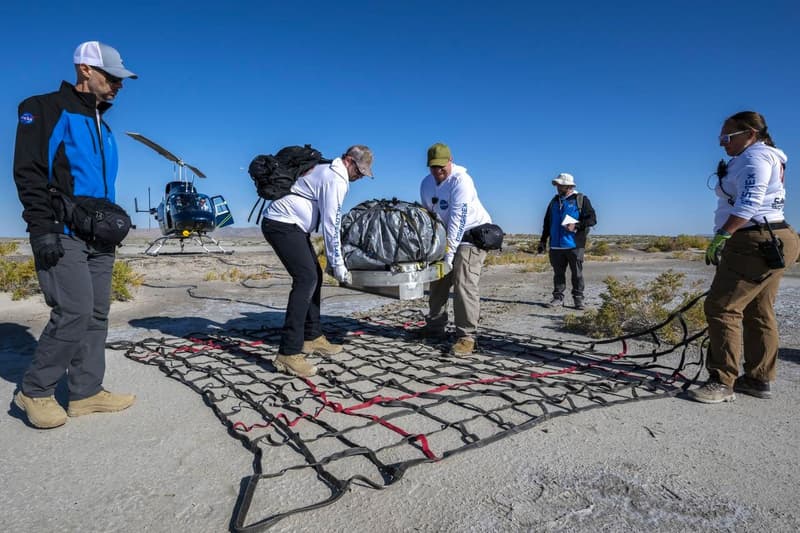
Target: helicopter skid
[154,248]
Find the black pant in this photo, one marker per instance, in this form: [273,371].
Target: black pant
[293,246]
[78,291]
[559,260]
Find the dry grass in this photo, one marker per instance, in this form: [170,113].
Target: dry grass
[679,243]
[236,274]
[528,262]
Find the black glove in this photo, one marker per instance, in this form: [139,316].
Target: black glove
[47,250]
[540,248]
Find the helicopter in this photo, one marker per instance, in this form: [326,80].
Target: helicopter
[184,213]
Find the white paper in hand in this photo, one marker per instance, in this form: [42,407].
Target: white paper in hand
[568,220]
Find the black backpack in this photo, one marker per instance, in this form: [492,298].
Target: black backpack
[274,175]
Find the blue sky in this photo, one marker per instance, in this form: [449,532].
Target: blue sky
[627,96]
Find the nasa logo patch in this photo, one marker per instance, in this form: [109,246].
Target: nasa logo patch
[26,118]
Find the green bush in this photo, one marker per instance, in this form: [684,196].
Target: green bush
[627,308]
[600,248]
[672,244]
[19,276]
[8,248]
[122,277]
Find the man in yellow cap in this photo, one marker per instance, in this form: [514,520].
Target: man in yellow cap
[449,193]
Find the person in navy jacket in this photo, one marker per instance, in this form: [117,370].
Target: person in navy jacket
[567,221]
[65,147]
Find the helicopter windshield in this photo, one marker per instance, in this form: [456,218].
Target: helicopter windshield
[191,201]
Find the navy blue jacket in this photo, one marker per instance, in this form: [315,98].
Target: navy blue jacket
[63,144]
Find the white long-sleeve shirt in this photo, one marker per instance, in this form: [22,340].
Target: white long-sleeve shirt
[316,196]
[755,185]
[455,201]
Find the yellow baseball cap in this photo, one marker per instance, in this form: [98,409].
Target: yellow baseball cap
[439,155]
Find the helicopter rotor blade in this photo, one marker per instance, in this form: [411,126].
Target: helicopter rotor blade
[147,142]
[195,170]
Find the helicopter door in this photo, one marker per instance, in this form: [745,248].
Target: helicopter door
[222,214]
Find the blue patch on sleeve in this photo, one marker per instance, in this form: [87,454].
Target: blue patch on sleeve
[26,118]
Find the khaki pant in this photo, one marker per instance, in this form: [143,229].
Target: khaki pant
[464,278]
[740,307]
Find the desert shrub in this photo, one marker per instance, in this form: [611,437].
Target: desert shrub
[122,277]
[18,277]
[689,255]
[8,248]
[528,247]
[600,248]
[529,263]
[671,244]
[627,308]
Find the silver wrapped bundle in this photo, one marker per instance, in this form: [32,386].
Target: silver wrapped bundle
[377,234]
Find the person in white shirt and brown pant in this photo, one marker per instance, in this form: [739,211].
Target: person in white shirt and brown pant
[752,247]
[449,193]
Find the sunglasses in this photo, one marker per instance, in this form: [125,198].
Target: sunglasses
[725,139]
[359,174]
[111,79]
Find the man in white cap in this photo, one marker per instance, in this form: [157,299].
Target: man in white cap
[65,148]
[566,223]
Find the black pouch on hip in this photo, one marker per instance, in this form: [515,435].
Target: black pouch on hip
[772,250]
[487,237]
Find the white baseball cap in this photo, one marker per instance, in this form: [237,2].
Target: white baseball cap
[564,179]
[102,56]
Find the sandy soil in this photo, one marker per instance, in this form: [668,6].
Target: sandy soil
[168,464]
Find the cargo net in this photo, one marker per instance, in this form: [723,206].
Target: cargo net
[390,401]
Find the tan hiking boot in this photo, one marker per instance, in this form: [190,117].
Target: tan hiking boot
[102,402]
[44,413]
[712,392]
[464,346]
[321,345]
[296,365]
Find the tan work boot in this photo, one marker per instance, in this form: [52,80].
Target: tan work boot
[321,345]
[44,413]
[296,365]
[102,402]
[464,346]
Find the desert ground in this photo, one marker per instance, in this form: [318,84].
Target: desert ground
[169,463]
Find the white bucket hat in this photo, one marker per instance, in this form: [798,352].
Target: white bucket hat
[564,179]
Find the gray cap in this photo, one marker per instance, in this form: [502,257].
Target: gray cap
[362,155]
[102,56]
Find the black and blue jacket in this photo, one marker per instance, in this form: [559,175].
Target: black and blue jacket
[63,144]
[557,209]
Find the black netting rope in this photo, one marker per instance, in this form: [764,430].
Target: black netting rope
[389,401]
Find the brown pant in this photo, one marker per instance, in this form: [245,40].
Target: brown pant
[740,307]
[464,278]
